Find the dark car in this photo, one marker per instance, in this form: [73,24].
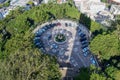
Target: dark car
[86,53]
[37,41]
[48,26]
[54,24]
[85,45]
[37,35]
[70,24]
[51,25]
[92,60]
[45,27]
[84,42]
[80,32]
[78,29]
[66,24]
[83,39]
[82,35]
[39,31]
[58,24]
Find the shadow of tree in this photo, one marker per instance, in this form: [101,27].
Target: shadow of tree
[30,21]
[97,32]
[83,75]
[85,20]
[51,15]
[113,61]
[5,36]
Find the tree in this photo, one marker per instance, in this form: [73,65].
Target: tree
[105,45]
[95,76]
[83,75]
[113,73]
[29,64]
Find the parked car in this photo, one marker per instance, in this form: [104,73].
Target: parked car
[92,60]
[82,35]
[39,31]
[83,39]
[84,42]
[85,45]
[80,32]
[54,46]
[43,29]
[70,24]
[66,24]
[86,53]
[54,24]
[85,49]
[37,35]
[51,25]
[58,24]
[36,38]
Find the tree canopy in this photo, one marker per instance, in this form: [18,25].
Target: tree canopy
[20,60]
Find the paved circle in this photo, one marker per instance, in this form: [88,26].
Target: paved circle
[73,50]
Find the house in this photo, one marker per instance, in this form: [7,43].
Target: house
[115,9]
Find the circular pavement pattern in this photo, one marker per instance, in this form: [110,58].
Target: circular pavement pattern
[72,46]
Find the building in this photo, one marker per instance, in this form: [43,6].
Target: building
[37,2]
[96,10]
[104,17]
[61,1]
[1,1]
[115,9]
[114,2]
[19,2]
[3,13]
[89,6]
[45,1]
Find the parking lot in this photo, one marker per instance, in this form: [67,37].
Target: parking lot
[74,49]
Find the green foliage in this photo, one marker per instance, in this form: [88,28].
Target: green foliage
[30,3]
[105,45]
[96,27]
[105,1]
[83,75]
[6,4]
[95,76]
[20,60]
[113,73]
[85,21]
[29,64]
[91,73]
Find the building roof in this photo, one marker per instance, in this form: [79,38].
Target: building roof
[117,7]
[1,1]
[118,1]
[87,0]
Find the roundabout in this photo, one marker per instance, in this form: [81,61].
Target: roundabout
[60,38]
[70,44]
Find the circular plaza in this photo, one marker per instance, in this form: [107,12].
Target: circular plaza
[67,40]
